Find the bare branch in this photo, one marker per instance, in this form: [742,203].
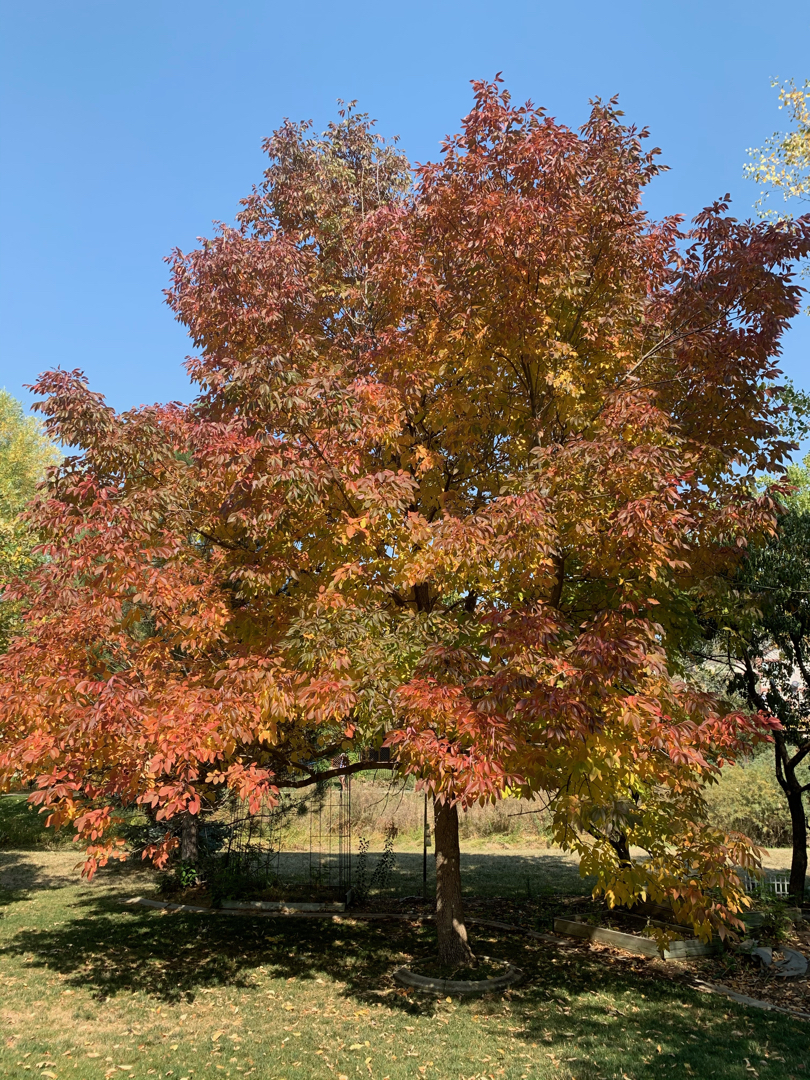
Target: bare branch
[330,774]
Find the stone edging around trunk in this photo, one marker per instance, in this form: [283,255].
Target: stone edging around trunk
[460,987]
[695,984]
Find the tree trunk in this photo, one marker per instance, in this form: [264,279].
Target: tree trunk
[618,841]
[454,949]
[792,787]
[798,862]
[188,839]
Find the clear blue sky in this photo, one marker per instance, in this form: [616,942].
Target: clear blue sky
[128,127]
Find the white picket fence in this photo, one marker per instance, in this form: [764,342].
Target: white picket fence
[772,881]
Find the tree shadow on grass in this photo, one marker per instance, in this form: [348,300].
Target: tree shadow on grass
[509,874]
[33,871]
[25,872]
[171,957]
[576,1005]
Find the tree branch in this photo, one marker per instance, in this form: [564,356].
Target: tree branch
[330,774]
[754,696]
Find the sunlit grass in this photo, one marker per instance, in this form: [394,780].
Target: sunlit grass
[22,826]
[90,989]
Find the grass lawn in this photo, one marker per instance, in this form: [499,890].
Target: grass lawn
[90,989]
[21,826]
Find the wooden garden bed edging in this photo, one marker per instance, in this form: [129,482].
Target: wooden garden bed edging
[633,943]
[279,905]
[266,909]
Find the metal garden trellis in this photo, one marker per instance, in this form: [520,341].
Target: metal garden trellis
[255,841]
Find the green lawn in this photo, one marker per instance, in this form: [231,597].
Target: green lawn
[21,826]
[90,989]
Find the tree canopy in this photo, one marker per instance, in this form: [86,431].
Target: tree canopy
[25,454]
[461,436]
[757,634]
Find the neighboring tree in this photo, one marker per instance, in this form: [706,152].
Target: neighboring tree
[761,640]
[747,798]
[783,163]
[25,454]
[461,443]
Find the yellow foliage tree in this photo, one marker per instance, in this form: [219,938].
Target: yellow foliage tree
[25,454]
[783,163]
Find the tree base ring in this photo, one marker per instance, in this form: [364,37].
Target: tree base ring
[425,984]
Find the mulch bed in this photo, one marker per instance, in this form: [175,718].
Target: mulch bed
[746,976]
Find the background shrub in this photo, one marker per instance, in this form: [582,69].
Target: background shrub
[748,799]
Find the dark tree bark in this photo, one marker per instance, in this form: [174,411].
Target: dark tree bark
[618,841]
[189,852]
[798,862]
[454,949]
[794,793]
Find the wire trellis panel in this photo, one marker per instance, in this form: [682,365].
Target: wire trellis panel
[330,835]
[302,844]
[256,841]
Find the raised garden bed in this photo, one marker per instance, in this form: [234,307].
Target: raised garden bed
[634,943]
[280,905]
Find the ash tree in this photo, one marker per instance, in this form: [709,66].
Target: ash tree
[462,433]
